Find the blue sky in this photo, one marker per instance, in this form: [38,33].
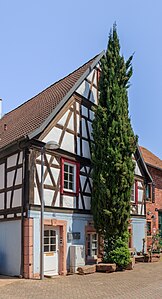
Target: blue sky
[42,41]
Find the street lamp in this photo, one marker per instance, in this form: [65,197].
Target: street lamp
[50,145]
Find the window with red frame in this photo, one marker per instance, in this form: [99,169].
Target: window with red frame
[69,177]
[134,193]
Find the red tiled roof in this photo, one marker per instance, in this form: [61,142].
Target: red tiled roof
[30,115]
[150,158]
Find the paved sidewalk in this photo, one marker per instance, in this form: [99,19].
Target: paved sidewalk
[145,281]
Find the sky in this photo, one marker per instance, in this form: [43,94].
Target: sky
[43,41]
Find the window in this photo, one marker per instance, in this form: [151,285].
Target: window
[69,177]
[49,240]
[148,228]
[148,192]
[92,244]
[134,193]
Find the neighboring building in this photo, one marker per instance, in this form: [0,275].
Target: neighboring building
[154,197]
[61,113]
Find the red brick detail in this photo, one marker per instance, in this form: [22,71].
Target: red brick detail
[28,248]
[153,207]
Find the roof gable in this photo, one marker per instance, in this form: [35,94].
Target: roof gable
[32,117]
[150,158]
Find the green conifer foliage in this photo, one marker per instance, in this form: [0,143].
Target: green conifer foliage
[114,145]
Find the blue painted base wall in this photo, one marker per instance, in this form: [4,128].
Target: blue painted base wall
[139,232]
[75,223]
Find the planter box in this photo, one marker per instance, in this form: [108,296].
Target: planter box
[107,268]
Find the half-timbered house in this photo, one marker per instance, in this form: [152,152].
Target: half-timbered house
[62,113]
[153,196]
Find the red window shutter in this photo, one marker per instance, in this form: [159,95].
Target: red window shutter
[136,192]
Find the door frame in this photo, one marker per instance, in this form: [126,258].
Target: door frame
[62,246]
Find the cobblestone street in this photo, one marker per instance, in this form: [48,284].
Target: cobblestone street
[145,281]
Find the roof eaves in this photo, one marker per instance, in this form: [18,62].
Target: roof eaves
[65,98]
[143,162]
[154,166]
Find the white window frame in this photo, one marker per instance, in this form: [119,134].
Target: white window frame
[91,242]
[74,177]
[133,193]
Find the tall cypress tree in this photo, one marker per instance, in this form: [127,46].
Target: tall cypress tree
[114,145]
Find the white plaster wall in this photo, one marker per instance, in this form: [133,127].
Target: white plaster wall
[93,97]
[54,134]
[137,170]
[78,123]
[84,111]
[78,146]
[2,172]
[77,106]
[36,197]
[17,198]
[18,177]
[140,195]
[10,177]
[69,201]
[87,202]
[1,201]
[84,130]
[20,158]
[91,115]
[48,197]
[83,89]
[11,161]
[63,118]
[71,122]
[86,150]
[8,199]
[68,142]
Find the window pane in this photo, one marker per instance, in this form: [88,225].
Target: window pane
[71,169]
[71,186]
[94,237]
[46,240]
[71,178]
[65,185]
[46,233]
[65,176]
[65,167]
[53,233]
[46,248]
[53,240]
[53,248]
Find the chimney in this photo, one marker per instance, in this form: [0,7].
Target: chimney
[0,108]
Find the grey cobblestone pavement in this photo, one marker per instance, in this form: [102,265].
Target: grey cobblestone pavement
[145,281]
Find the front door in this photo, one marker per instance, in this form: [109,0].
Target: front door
[51,258]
